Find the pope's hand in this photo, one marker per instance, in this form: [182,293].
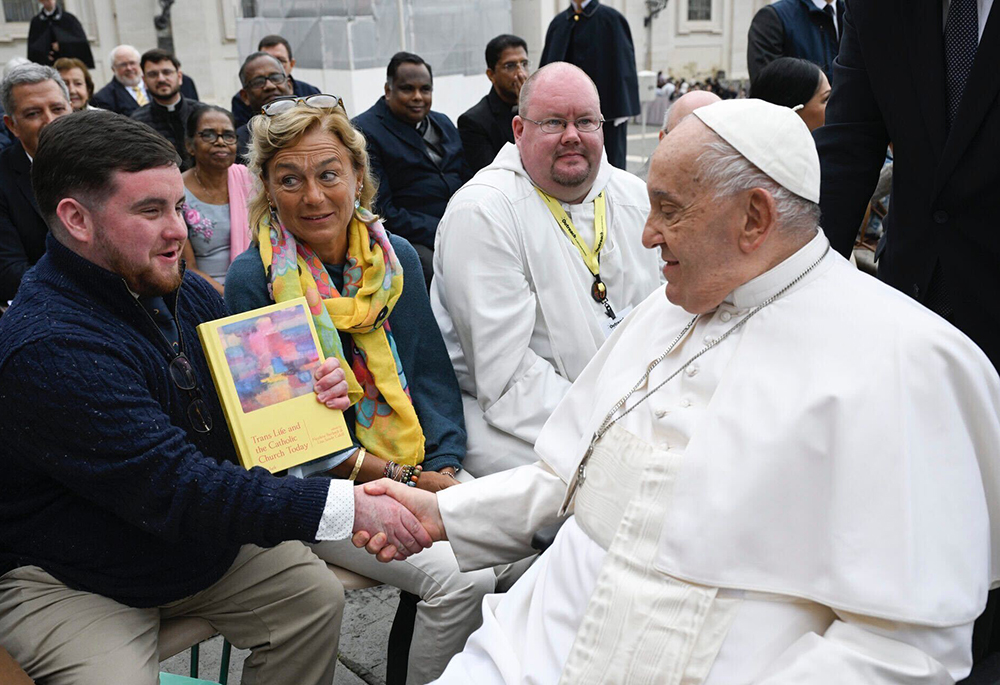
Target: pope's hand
[421,503]
[331,384]
[388,529]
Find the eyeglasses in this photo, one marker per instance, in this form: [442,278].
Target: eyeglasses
[289,102]
[258,83]
[182,374]
[210,136]
[553,125]
[511,67]
[157,73]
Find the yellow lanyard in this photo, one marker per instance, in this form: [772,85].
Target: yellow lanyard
[591,257]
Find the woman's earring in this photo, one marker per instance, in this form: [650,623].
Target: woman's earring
[357,197]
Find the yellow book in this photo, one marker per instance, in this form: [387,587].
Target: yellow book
[262,363]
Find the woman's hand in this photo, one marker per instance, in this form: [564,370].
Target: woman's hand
[331,384]
[433,481]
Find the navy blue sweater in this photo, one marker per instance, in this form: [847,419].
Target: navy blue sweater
[429,373]
[103,481]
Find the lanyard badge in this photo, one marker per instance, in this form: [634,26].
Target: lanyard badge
[591,256]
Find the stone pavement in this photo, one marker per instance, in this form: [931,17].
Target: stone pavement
[363,640]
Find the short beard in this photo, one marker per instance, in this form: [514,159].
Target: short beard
[170,95]
[574,179]
[144,282]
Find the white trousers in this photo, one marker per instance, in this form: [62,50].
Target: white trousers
[450,600]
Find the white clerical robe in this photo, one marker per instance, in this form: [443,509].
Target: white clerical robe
[512,297]
[826,521]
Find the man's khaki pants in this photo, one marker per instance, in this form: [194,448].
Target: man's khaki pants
[282,603]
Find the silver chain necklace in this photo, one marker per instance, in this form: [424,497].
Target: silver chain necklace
[610,419]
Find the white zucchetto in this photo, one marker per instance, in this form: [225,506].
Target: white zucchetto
[773,138]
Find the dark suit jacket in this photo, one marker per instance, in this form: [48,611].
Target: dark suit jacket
[793,28]
[413,191]
[889,85]
[600,43]
[22,229]
[484,129]
[115,97]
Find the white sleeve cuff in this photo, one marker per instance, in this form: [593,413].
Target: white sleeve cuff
[337,522]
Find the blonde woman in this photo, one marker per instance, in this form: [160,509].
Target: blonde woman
[314,235]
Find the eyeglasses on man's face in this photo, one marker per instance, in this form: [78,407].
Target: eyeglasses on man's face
[514,65]
[554,125]
[276,78]
[210,136]
[289,102]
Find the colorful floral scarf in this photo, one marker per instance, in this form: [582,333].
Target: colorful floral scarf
[386,422]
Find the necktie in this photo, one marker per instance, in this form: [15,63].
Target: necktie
[830,12]
[961,38]
[140,96]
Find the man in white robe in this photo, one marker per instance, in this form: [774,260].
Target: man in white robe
[749,502]
[511,292]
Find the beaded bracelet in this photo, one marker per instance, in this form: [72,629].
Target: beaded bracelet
[403,474]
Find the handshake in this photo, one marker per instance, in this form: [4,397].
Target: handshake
[393,521]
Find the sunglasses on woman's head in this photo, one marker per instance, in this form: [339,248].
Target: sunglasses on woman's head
[289,102]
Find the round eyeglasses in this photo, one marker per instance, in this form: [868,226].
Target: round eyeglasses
[289,102]
[554,125]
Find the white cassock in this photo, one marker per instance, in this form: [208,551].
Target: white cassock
[511,295]
[808,502]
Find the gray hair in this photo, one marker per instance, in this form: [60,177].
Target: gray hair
[111,55]
[723,168]
[27,74]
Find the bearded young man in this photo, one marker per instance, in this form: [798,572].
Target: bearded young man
[168,110]
[122,501]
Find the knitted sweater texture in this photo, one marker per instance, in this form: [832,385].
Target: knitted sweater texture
[103,481]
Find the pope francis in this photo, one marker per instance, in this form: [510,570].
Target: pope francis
[749,499]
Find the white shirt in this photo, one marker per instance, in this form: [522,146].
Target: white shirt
[132,90]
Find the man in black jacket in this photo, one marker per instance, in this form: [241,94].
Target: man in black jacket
[33,96]
[279,48]
[55,33]
[168,110]
[488,125]
[808,29]
[415,153]
[263,80]
[597,39]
